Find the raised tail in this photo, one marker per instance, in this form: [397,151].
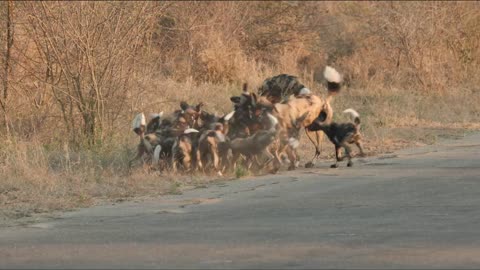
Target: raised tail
[334,80]
[354,114]
[138,124]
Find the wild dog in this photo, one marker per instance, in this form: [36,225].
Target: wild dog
[334,84]
[278,89]
[342,134]
[285,86]
[144,146]
[184,152]
[213,149]
[255,144]
[163,131]
[158,139]
[242,119]
[246,118]
[187,115]
[158,136]
[248,115]
[288,136]
[154,123]
[251,146]
[297,113]
[165,136]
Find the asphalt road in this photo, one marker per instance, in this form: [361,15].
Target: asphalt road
[418,208]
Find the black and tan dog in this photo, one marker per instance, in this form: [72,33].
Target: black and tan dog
[255,144]
[212,151]
[341,134]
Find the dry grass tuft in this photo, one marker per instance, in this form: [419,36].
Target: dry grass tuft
[67,99]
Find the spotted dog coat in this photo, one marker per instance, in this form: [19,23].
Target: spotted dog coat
[279,88]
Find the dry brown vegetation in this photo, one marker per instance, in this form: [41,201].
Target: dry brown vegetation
[75,73]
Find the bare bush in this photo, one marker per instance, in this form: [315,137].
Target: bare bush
[73,74]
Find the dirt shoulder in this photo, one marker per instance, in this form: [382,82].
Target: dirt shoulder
[24,202]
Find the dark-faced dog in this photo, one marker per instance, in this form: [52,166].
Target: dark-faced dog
[342,134]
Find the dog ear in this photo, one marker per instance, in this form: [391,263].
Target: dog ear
[184,105]
[199,106]
[235,99]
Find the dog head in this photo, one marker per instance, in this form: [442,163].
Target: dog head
[155,122]
[188,114]
[206,120]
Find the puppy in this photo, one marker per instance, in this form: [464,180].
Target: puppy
[341,134]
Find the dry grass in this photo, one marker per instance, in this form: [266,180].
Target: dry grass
[411,71]
[38,177]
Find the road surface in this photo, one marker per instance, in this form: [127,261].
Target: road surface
[417,208]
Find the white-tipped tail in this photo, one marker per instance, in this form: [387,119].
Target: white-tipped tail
[332,75]
[273,121]
[156,154]
[155,115]
[229,116]
[138,121]
[352,112]
[190,130]
[305,91]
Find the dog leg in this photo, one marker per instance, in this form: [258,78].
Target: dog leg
[174,165]
[292,157]
[233,162]
[337,156]
[317,144]
[201,162]
[348,152]
[360,148]
[249,162]
[216,162]
[270,157]
[277,162]
[140,151]
[156,155]
[186,163]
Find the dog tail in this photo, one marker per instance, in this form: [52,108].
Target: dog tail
[138,124]
[334,80]
[273,122]
[190,130]
[354,114]
[156,154]
[228,116]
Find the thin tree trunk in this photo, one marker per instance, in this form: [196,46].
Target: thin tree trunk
[4,103]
